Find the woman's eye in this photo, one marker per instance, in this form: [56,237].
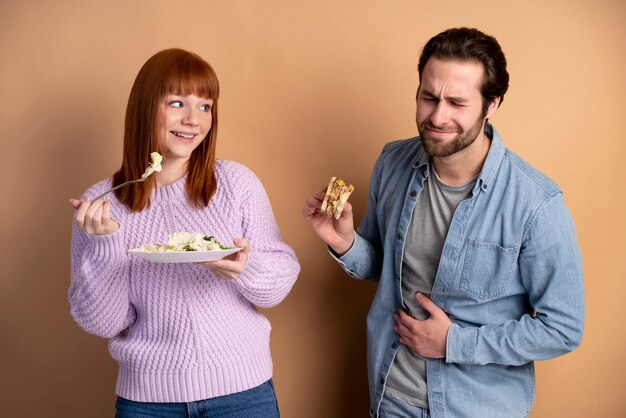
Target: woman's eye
[176,103]
[205,108]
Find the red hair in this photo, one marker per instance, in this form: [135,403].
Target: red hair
[172,71]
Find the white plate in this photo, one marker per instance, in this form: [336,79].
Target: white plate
[183,256]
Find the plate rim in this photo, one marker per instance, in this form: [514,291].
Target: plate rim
[154,256]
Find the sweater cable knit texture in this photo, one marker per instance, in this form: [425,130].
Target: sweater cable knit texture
[178,332]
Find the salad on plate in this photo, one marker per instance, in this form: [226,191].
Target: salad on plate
[185,241]
[185,247]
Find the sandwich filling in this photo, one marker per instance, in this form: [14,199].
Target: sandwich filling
[337,195]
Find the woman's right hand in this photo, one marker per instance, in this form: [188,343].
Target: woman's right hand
[94,218]
[337,233]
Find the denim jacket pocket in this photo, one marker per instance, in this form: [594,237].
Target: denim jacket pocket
[487,269]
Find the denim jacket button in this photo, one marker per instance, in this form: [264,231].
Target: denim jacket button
[394,345]
[382,380]
[413,193]
[399,235]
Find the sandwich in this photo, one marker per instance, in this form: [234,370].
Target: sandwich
[337,195]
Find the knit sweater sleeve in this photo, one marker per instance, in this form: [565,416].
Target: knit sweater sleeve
[99,289]
[272,266]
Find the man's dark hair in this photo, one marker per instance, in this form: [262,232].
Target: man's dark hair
[468,44]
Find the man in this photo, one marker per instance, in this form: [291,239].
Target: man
[475,251]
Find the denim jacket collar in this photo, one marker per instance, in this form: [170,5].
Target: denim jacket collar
[494,159]
[422,159]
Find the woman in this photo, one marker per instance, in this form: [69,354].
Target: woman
[188,337]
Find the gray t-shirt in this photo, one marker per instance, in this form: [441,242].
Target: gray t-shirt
[429,225]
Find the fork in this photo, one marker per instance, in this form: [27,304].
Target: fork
[119,186]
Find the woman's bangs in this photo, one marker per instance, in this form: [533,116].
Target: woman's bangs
[195,79]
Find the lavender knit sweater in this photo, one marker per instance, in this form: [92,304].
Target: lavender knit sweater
[179,333]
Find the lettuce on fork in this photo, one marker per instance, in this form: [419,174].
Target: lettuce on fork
[155,165]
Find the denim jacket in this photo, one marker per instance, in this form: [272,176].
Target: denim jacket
[509,278]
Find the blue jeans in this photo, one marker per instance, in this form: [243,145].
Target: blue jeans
[258,402]
[394,408]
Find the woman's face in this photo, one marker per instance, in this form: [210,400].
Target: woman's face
[185,121]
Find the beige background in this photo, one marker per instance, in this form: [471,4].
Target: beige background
[297,78]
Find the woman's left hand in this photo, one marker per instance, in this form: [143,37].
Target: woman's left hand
[231,266]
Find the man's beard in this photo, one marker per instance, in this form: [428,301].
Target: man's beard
[436,147]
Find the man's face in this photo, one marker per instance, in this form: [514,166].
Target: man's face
[449,112]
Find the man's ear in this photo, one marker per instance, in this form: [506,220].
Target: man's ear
[493,107]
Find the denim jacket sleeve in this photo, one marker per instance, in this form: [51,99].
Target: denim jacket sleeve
[551,270]
[360,261]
